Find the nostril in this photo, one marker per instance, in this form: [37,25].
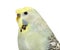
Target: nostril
[18,15]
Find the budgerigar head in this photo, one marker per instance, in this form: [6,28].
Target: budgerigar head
[25,16]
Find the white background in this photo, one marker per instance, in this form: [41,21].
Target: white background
[49,10]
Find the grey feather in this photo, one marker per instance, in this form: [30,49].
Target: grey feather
[53,43]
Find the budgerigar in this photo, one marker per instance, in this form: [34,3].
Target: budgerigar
[34,33]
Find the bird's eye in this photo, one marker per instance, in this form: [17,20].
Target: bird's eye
[25,13]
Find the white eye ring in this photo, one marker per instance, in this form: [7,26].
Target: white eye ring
[25,13]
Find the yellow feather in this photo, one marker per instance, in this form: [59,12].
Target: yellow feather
[22,10]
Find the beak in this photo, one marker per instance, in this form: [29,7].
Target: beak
[21,22]
[18,16]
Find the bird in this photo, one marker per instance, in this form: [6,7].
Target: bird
[33,31]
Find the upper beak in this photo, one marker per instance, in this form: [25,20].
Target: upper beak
[18,16]
[21,22]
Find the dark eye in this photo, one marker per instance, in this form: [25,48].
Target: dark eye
[25,13]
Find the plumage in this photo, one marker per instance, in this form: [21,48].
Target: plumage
[34,33]
[54,43]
